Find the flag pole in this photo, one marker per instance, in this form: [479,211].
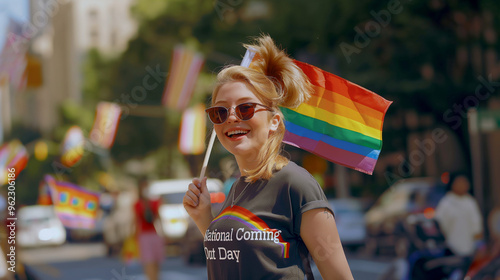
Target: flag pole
[207,154]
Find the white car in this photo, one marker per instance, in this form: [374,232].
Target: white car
[350,221]
[39,225]
[173,217]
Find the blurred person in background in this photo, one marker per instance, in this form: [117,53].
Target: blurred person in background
[459,218]
[151,246]
[274,198]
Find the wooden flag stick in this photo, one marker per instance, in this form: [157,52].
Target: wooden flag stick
[207,154]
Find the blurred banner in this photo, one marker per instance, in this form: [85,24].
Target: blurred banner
[184,70]
[13,57]
[12,155]
[105,125]
[192,130]
[72,146]
[75,206]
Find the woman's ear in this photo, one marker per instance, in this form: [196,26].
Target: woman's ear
[275,122]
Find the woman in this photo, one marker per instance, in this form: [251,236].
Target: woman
[151,251]
[275,214]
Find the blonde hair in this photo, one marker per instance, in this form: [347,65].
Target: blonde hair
[276,81]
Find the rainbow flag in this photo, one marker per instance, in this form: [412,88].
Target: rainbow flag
[184,70]
[73,146]
[106,122]
[341,122]
[75,206]
[192,130]
[13,159]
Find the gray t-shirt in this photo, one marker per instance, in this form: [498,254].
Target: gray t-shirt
[259,237]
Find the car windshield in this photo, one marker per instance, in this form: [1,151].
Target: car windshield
[33,221]
[401,194]
[340,206]
[172,198]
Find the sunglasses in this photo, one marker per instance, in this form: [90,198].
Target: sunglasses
[244,112]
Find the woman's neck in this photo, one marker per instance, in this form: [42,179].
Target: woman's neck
[246,163]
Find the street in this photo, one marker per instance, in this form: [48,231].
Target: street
[88,262]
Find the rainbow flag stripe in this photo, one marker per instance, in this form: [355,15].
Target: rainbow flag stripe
[107,118]
[73,146]
[184,70]
[341,122]
[247,218]
[192,130]
[75,206]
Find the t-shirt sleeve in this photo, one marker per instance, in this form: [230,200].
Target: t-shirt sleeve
[306,194]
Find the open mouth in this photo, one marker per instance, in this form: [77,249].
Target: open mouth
[236,133]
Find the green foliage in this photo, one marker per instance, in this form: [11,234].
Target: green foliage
[411,59]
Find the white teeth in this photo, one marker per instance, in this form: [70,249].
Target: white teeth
[230,133]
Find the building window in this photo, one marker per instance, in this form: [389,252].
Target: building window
[93,14]
[93,22]
[94,37]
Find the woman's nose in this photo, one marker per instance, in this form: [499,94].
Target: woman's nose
[232,115]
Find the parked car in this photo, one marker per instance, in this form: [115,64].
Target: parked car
[174,219]
[385,220]
[39,225]
[350,221]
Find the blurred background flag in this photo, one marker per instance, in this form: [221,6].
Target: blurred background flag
[72,146]
[105,125]
[341,122]
[184,70]
[13,56]
[12,155]
[75,206]
[44,197]
[192,130]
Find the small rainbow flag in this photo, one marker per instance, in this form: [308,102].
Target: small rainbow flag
[341,122]
[184,70]
[13,157]
[192,130]
[105,125]
[75,206]
[73,146]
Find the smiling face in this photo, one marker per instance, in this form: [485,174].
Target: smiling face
[243,139]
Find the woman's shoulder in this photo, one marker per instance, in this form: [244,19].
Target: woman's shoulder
[295,176]
[293,171]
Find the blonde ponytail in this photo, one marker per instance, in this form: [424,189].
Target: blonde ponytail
[293,86]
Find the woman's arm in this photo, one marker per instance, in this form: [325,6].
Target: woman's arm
[319,232]
[197,203]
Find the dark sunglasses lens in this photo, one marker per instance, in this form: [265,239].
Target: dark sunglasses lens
[217,115]
[245,111]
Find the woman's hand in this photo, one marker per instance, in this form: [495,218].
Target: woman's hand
[197,203]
